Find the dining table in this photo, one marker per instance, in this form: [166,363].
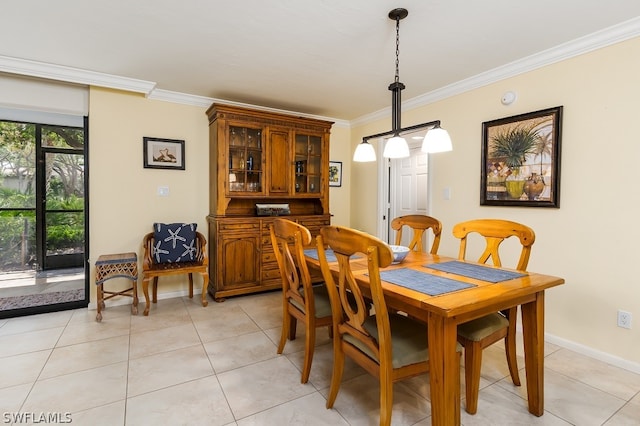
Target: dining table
[444,292]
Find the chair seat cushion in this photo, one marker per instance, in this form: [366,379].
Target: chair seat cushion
[321,301]
[479,328]
[174,242]
[408,340]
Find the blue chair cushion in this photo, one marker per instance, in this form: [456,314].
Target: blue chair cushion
[174,242]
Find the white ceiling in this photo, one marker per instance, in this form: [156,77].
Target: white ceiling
[330,58]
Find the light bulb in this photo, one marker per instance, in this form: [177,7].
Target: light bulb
[396,147]
[437,140]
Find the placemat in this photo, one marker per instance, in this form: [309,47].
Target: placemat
[313,253]
[478,272]
[423,282]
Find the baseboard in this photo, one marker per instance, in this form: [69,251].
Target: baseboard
[593,353]
[119,301]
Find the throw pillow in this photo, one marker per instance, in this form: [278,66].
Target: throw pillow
[174,242]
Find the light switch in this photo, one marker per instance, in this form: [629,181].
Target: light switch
[446,193]
[163,191]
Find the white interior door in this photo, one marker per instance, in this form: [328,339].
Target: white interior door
[409,189]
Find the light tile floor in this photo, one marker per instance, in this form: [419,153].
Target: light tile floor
[185,364]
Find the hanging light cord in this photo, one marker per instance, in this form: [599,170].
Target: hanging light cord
[396,87]
[397,79]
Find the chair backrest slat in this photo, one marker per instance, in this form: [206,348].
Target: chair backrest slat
[495,231]
[419,224]
[289,240]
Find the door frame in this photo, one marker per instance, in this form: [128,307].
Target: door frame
[385,175]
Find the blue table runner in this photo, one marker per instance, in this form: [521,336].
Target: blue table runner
[478,272]
[423,282]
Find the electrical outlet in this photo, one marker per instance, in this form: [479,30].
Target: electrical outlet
[624,319]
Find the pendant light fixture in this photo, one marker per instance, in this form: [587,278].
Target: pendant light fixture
[396,147]
[436,140]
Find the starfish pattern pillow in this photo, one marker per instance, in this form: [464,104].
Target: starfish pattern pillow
[174,242]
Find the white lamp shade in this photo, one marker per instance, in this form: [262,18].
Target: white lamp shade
[437,140]
[396,147]
[364,153]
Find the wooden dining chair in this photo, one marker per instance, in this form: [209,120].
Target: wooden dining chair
[419,224]
[391,347]
[300,299]
[482,332]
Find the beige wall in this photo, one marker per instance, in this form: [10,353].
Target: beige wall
[591,239]
[123,200]
[123,195]
[340,150]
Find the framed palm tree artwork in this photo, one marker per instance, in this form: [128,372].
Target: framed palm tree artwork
[521,160]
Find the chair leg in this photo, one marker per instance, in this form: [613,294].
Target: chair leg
[510,345]
[205,284]
[286,320]
[293,326]
[155,289]
[309,346]
[386,398]
[338,368]
[472,367]
[190,285]
[135,295]
[100,302]
[145,290]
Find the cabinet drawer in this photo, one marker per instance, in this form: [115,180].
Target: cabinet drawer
[271,274]
[269,257]
[311,221]
[314,225]
[239,226]
[272,283]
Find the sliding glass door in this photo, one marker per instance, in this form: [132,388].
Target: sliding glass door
[61,184]
[18,245]
[42,218]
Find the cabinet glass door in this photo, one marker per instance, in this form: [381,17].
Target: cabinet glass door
[245,159]
[307,166]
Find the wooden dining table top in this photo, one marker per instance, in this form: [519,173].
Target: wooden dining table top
[462,304]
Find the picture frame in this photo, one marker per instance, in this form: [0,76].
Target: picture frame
[335,173]
[159,153]
[520,163]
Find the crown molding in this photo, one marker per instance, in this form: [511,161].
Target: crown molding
[73,75]
[203,101]
[615,34]
[180,98]
[609,36]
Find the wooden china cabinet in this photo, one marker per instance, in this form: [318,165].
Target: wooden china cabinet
[260,158]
